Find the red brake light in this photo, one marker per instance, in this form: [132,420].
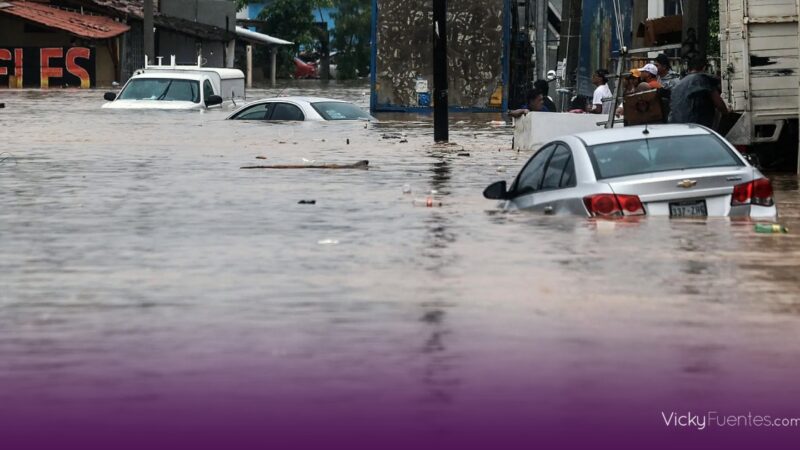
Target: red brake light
[631,205]
[757,192]
[742,193]
[762,192]
[609,205]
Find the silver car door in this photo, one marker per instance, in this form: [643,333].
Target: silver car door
[529,180]
[558,193]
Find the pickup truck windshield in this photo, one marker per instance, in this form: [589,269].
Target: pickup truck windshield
[162,89]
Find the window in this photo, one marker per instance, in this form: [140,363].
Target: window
[531,176]
[255,112]
[208,90]
[285,111]
[619,159]
[556,167]
[569,179]
[161,89]
[340,111]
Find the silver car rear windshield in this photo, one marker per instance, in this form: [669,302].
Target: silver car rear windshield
[162,89]
[340,111]
[619,159]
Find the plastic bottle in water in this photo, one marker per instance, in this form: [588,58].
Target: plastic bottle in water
[428,202]
[770,228]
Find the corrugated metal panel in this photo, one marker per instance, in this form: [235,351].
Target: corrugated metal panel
[760,52]
[86,26]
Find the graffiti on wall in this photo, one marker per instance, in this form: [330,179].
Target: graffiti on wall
[599,39]
[404,60]
[44,67]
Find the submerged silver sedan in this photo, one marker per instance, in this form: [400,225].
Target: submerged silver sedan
[661,170]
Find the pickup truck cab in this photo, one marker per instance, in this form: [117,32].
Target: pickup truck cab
[178,88]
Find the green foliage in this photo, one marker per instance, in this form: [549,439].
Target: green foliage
[352,37]
[291,20]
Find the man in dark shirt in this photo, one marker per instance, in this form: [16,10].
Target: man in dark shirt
[696,96]
[534,102]
[543,87]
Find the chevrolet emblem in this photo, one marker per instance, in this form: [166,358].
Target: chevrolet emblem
[687,183]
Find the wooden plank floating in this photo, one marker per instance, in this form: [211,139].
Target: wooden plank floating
[363,165]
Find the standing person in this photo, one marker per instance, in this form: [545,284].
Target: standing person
[696,97]
[600,79]
[543,87]
[578,104]
[666,76]
[649,74]
[533,102]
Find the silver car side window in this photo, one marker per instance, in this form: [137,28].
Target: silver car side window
[530,179]
[285,111]
[255,112]
[555,168]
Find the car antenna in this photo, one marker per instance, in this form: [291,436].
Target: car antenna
[646,131]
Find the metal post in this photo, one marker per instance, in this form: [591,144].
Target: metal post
[623,53]
[273,68]
[149,38]
[440,103]
[797,8]
[249,50]
[541,39]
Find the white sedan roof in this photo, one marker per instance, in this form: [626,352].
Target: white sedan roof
[301,99]
[633,133]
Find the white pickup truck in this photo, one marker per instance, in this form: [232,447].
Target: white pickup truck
[759,47]
[178,87]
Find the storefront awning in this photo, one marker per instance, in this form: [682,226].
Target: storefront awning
[259,38]
[81,25]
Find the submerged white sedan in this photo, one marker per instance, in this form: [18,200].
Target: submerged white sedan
[300,109]
[658,170]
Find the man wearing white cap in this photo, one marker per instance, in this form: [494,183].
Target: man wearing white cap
[649,74]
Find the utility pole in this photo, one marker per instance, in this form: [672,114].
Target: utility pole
[149,39]
[541,39]
[440,104]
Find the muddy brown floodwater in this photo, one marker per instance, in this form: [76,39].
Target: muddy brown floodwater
[140,267]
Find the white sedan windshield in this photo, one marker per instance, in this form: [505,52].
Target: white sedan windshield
[162,89]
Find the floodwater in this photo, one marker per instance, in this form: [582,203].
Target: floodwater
[146,280]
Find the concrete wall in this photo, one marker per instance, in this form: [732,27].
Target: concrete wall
[211,12]
[405,51]
[186,48]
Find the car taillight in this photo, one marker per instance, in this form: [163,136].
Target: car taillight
[610,205]
[762,192]
[756,192]
[631,205]
[742,193]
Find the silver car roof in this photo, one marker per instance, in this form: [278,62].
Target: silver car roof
[633,133]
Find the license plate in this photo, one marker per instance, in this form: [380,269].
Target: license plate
[694,208]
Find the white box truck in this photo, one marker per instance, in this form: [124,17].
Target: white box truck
[760,56]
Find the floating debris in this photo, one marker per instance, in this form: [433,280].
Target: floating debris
[307,202]
[261,157]
[463,154]
[363,165]
[428,202]
[327,242]
[770,228]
